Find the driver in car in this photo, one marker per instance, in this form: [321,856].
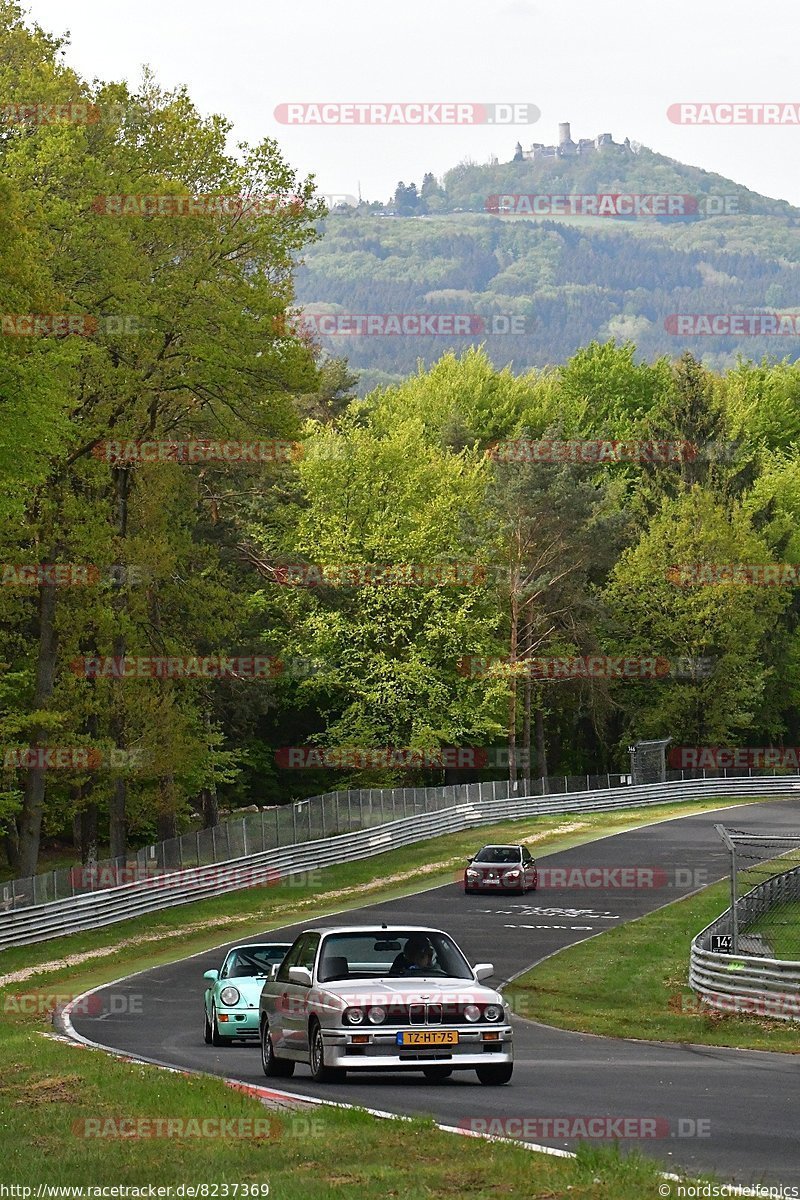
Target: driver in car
[415,958]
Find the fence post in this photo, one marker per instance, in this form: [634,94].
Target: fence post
[213,843]
[294,822]
[731,845]
[263,833]
[308,804]
[322,812]
[244,836]
[228,838]
[277,827]
[197,846]
[349,813]
[360,809]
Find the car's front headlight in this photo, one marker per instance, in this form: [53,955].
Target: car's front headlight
[229,996]
[512,874]
[472,1012]
[354,1016]
[473,874]
[493,1012]
[376,1015]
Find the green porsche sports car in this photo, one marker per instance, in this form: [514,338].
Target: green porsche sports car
[230,1003]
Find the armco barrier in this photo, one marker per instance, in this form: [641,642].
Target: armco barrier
[301,820]
[40,922]
[747,983]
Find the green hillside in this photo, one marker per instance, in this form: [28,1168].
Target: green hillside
[573,279]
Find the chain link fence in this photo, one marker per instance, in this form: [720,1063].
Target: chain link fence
[303,821]
[764,916]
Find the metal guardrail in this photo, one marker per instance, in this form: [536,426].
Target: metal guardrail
[748,983]
[96,909]
[304,820]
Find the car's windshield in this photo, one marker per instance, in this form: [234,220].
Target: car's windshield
[376,954]
[498,854]
[252,960]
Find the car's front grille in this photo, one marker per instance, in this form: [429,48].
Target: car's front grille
[423,1013]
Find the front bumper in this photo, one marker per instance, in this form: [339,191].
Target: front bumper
[238,1022]
[381,1052]
[493,885]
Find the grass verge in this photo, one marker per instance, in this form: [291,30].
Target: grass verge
[49,1089]
[632,982]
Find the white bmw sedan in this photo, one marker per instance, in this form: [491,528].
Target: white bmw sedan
[383,998]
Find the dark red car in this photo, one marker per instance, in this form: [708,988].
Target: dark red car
[500,869]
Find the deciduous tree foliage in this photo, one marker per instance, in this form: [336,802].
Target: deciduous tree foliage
[570,558]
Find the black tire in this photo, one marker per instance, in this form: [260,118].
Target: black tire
[206,1028]
[435,1073]
[320,1073]
[274,1068]
[468,892]
[493,1074]
[216,1037]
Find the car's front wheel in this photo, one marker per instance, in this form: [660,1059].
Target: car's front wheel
[216,1037]
[436,1074]
[206,1027]
[493,1074]
[281,1068]
[321,1073]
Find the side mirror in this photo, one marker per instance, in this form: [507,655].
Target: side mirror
[273,971]
[212,975]
[471,858]
[483,971]
[300,975]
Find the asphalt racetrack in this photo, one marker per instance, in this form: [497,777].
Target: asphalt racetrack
[745,1104]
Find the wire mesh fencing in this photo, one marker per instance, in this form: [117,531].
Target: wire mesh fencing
[764,915]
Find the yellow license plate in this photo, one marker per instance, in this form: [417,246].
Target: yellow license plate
[428,1037]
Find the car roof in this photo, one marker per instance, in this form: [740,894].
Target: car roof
[373,928]
[502,846]
[257,946]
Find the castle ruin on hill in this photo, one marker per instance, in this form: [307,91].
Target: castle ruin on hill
[566,148]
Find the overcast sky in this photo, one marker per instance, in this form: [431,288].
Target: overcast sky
[613,67]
